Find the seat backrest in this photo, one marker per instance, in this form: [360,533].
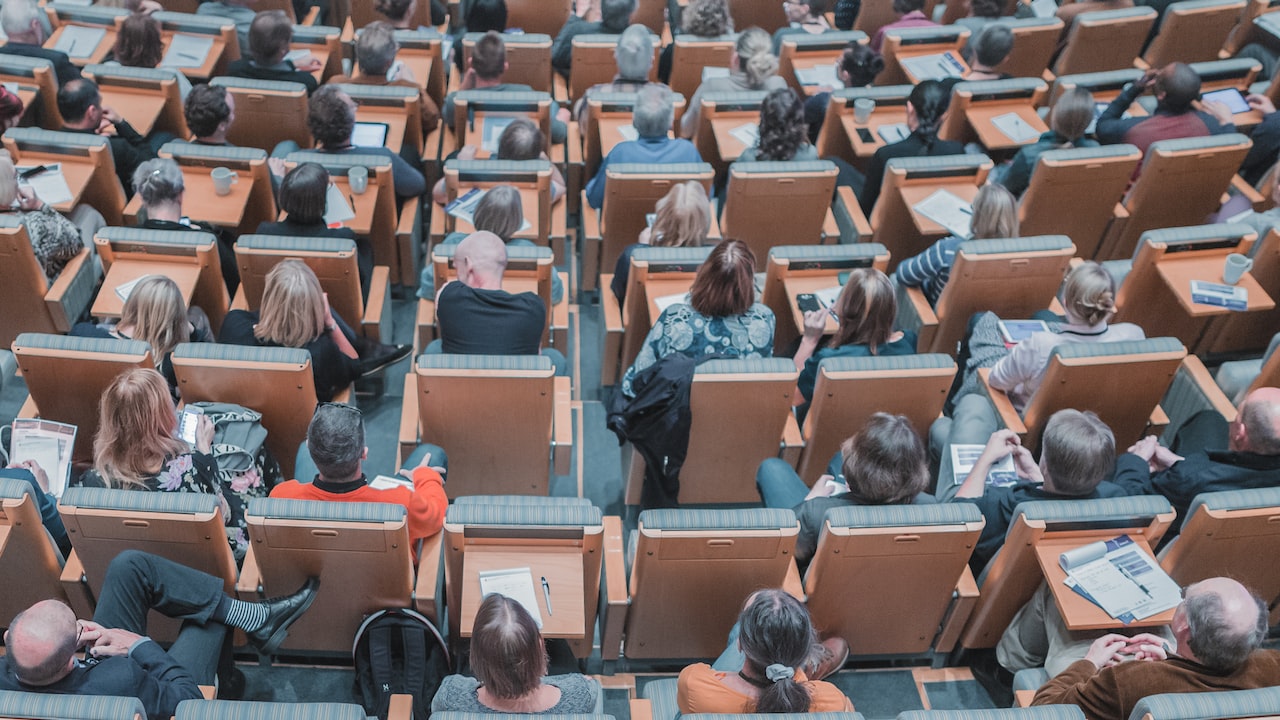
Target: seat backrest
[1035,40]
[901,43]
[691,54]
[801,51]
[593,62]
[528,58]
[394,105]
[226,41]
[1074,192]
[849,390]
[1239,332]
[1004,94]
[538,16]
[1105,40]
[267,112]
[422,51]
[346,545]
[30,564]
[907,181]
[102,190]
[381,222]
[243,710]
[732,110]
[676,265]
[361,14]
[250,164]
[333,260]
[875,15]
[180,247]
[48,706]
[320,40]
[524,264]
[756,188]
[148,98]
[630,192]
[36,76]
[1039,712]
[1230,73]
[1012,278]
[1013,575]
[512,397]
[1223,535]
[22,286]
[472,109]
[66,377]
[1259,703]
[906,559]
[822,265]
[608,119]
[531,177]
[1105,85]
[693,570]
[1193,31]
[752,13]
[276,382]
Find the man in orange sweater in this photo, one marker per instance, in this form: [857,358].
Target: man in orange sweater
[336,451]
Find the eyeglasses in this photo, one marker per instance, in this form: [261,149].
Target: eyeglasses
[342,406]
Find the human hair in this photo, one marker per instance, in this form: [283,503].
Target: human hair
[683,217]
[995,213]
[903,7]
[486,15]
[885,462]
[16,16]
[1217,642]
[332,117]
[206,108]
[866,310]
[1089,293]
[57,655]
[1072,114]
[508,656]
[521,140]
[987,8]
[76,97]
[776,637]
[136,425]
[138,42]
[634,53]
[783,130]
[489,56]
[992,45]
[725,283]
[269,36]
[653,112]
[615,15]
[500,212]
[292,309]
[376,48]
[862,64]
[8,181]
[335,439]
[707,18]
[1180,85]
[817,8]
[157,314]
[929,99]
[1259,419]
[303,192]
[394,10]
[158,181]
[755,57]
[1078,451]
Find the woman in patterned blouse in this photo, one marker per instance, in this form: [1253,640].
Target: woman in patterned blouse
[55,239]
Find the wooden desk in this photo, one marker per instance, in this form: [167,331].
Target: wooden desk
[912,79]
[77,171]
[202,203]
[611,134]
[109,305]
[729,146]
[363,204]
[914,194]
[811,284]
[319,52]
[561,566]
[393,117]
[1178,273]
[206,69]
[1078,613]
[140,107]
[811,60]
[528,203]
[662,287]
[100,51]
[880,117]
[990,137]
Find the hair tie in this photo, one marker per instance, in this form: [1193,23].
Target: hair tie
[778,672]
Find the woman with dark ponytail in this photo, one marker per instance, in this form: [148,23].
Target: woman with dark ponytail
[926,107]
[775,646]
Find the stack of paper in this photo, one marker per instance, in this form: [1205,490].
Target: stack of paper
[124,290]
[667,301]
[187,51]
[894,132]
[464,207]
[820,75]
[747,134]
[48,444]
[628,132]
[515,583]
[1015,128]
[49,184]
[1121,578]
[964,457]
[78,41]
[336,208]
[933,67]
[714,72]
[493,127]
[949,211]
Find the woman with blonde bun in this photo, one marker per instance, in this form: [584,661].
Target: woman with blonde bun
[752,66]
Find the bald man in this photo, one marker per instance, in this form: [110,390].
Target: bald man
[1217,629]
[1176,87]
[1196,465]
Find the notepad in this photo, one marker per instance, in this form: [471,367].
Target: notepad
[294,56]
[949,211]
[78,41]
[464,207]
[1015,128]
[965,456]
[893,132]
[336,208]
[124,290]
[50,185]
[933,67]
[187,51]
[667,301]
[48,444]
[747,134]
[1122,579]
[515,583]
[386,482]
[493,127]
[628,132]
[819,75]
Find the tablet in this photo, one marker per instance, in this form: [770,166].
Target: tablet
[370,134]
[1231,97]
[1015,331]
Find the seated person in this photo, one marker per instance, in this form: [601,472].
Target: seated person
[857,66]
[705,19]
[509,661]
[1068,122]
[240,12]
[138,44]
[82,111]
[55,240]
[766,664]
[652,118]
[807,17]
[783,134]
[865,313]
[995,215]
[1267,220]
[1176,87]
[1265,151]
[376,49]
[479,16]
[520,140]
[209,110]
[634,57]
[488,65]
[926,106]
[910,14]
[752,66]
[988,50]
[682,218]
[22,23]
[500,212]
[331,468]
[401,13]
[615,16]
[475,316]
[269,38]
[883,464]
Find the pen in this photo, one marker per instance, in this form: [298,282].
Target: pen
[1129,575]
[966,211]
[546,593]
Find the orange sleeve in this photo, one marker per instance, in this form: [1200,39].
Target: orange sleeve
[428,505]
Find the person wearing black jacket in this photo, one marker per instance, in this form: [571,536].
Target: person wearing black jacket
[80,105]
[926,105]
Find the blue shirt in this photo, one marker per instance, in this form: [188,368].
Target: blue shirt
[645,150]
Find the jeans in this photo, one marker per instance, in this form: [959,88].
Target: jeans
[972,423]
[732,659]
[779,485]
[49,515]
[305,471]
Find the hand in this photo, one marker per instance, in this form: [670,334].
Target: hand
[42,478]
[113,642]
[1025,465]
[89,632]
[815,324]
[1001,443]
[581,7]
[1147,78]
[111,115]
[424,462]
[1106,650]
[1145,448]
[563,115]
[468,152]
[27,199]
[1145,646]
[204,434]
[1218,110]
[309,65]
[1261,103]
[822,488]
[276,166]
[328,313]
[1163,459]
[468,79]
[405,74]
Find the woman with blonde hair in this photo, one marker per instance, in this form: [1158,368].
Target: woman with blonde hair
[54,239]
[752,66]
[995,215]
[682,219]
[1068,121]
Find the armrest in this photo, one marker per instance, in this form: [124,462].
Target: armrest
[425,320]
[426,588]
[792,440]
[592,243]
[1255,198]
[408,242]
[1003,406]
[614,589]
[613,332]
[409,417]
[830,228]
[401,708]
[853,224]
[250,580]
[1141,64]
[641,709]
[792,583]
[915,313]
[562,426]
[1192,390]
[573,144]
[714,235]
[69,297]
[962,605]
[76,587]
[377,311]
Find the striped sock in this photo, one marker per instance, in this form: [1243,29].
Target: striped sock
[247,616]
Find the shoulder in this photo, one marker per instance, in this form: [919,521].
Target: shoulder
[288,489]
[1125,331]
[458,692]
[578,692]
[759,311]
[699,675]
[825,697]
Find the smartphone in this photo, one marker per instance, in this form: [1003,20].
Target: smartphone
[865,135]
[808,302]
[189,422]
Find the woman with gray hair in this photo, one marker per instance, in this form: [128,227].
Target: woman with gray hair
[652,119]
[634,57]
[160,184]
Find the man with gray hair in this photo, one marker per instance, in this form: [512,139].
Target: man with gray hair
[652,119]
[634,57]
[21,20]
[1217,630]
[376,49]
[615,15]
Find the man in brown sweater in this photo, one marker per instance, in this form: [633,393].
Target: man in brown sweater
[1218,627]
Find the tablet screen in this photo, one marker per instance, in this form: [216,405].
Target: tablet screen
[369,134]
[1231,97]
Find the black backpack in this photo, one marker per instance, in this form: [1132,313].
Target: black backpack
[399,652]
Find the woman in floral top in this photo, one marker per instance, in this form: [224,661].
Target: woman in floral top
[55,239]
[137,448]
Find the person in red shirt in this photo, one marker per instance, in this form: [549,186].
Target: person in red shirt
[331,467]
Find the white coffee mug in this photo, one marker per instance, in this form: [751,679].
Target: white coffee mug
[862,109]
[223,179]
[1236,266]
[358,178]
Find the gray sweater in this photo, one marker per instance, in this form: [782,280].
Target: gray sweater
[578,695]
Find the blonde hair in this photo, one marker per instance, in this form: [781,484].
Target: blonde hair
[1090,293]
[683,217]
[292,310]
[755,57]
[157,315]
[8,181]
[995,213]
[1072,114]
[136,425]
